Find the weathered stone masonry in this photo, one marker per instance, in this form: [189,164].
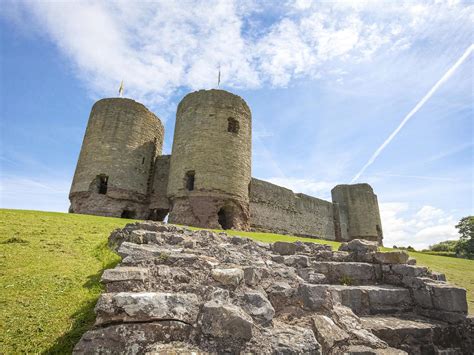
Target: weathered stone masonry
[206,182]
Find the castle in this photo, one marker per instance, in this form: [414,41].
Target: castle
[206,181]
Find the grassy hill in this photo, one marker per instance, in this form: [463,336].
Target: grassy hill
[50,266]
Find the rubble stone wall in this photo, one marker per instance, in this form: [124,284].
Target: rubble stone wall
[356,213]
[158,197]
[278,210]
[178,291]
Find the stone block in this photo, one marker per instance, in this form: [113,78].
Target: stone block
[314,297]
[388,299]
[284,248]
[359,246]
[311,276]
[146,306]
[352,272]
[131,338]
[409,270]
[288,339]
[124,273]
[296,261]
[448,298]
[229,277]
[391,257]
[225,321]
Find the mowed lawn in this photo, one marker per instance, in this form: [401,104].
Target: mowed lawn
[50,266]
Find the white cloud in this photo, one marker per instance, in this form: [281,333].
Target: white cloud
[158,47]
[402,226]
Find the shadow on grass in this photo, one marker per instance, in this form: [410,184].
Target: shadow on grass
[83,318]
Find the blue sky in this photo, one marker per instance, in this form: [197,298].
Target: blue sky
[327,82]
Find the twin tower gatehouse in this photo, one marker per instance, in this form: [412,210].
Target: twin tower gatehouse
[206,181]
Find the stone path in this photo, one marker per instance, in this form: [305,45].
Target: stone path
[178,291]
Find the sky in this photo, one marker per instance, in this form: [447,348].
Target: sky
[340,92]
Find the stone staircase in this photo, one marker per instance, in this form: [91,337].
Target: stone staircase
[179,291]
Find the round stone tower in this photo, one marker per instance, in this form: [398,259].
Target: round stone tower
[115,167]
[210,167]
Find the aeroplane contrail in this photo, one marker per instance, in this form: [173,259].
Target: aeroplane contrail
[415,109]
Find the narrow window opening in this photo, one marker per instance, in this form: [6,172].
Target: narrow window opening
[103,181]
[232,125]
[130,214]
[189,180]
[143,160]
[224,219]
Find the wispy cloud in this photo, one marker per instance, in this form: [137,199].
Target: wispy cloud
[21,192]
[403,225]
[421,177]
[417,107]
[161,46]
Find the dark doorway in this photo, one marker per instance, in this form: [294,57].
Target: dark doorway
[130,214]
[158,214]
[103,181]
[189,180]
[224,218]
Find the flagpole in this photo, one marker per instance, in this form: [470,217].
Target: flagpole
[121,89]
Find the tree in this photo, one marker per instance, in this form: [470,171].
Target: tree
[465,246]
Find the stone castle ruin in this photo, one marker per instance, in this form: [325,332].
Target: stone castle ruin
[206,181]
[178,291]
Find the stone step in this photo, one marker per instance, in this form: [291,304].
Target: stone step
[418,335]
[352,273]
[363,300]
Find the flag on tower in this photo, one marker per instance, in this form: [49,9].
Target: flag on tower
[121,89]
[219,77]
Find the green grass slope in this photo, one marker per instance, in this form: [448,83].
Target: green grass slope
[50,266]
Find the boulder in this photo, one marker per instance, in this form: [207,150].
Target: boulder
[252,275]
[225,321]
[327,332]
[284,248]
[258,306]
[228,277]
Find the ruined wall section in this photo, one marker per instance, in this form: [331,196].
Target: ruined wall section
[212,142]
[278,210]
[121,142]
[159,203]
[357,214]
